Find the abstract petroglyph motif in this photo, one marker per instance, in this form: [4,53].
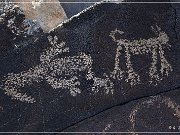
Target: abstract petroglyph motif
[152,46]
[51,69]
[155,101]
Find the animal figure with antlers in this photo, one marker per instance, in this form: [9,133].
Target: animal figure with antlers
[153,46]
[59,73]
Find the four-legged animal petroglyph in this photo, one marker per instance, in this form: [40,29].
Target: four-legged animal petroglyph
[62,73]
[153,46]
[51,69]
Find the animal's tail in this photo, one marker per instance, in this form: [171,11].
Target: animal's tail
[14,94]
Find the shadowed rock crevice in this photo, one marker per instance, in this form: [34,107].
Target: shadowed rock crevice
[68,129]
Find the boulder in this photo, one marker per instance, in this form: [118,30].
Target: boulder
[111,54]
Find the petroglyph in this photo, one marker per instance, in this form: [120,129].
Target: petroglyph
[152,46]
[60,73]
[103,83]
[157,102]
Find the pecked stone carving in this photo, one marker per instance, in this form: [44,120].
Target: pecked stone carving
[52,69]
[152,46]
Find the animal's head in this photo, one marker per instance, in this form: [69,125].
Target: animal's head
[114,33]
[162,36]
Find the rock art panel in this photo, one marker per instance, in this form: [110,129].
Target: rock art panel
[108,55]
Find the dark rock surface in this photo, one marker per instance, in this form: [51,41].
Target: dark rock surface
[68,75]
[16,31]
[158,113]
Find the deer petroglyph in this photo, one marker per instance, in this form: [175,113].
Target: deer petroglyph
[51,69]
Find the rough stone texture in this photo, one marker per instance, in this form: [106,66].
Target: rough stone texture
[16,31]
[158,113]
[176,8]
[84,47]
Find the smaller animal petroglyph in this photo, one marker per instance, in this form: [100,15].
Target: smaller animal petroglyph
[158,100]
[152,46]
[60,73]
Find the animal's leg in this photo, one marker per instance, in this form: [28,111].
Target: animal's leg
[133,78]
[104,84]
[153,69]
[54,50]
[117,72]
[71,84]
[165,66]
